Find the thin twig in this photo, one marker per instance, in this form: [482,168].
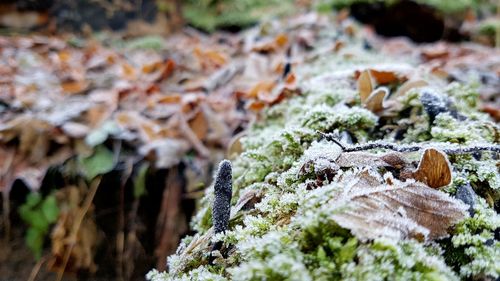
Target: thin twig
[36,269]
[6,215]
[414,147]
[120,237]
[78,222]
[410,147]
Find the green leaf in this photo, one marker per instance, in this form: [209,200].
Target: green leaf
[33,199]
[38,213]
[34,240]
[50,209]
[140,180]
[101,162]
[30,213]
[37,220]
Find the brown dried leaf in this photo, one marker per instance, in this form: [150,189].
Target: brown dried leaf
[255,105]
[375,102]
[363,159]
[365,85]
[383,77]
[433,169]
[199,125]
[261,90]
[408,85]
[371,209]
[247,201]
[74,87]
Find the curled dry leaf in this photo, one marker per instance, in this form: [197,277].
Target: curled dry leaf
[261,89]
[375,102]
[383,77]
[247,201]
[198,125]
[371,208]
[372,99]
[408,85]
[271,45]
[74,87]
[365,85]
[433,169]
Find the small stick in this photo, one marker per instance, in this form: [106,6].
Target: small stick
[36,269]
[410,148]
[77,223]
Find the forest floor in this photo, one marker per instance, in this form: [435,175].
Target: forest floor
[119,137]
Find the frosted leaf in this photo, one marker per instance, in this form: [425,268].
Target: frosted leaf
[434,169]
[375,102]
[408,85]
[360,159]
[371,209]
[365,85]
[322,150]
[247,201]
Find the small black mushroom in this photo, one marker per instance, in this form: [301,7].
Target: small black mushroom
[221,207]
[223,189]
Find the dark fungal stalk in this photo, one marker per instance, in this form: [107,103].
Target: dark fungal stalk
[221,207]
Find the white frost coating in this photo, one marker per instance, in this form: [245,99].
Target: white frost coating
[284,266]
[321,150]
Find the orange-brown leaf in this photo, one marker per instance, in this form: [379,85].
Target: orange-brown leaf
[264,86]
[375,102]
[383,77]
[199,125]
[281,40]
[74,87]
[433,169]
[408,85]
[365,85]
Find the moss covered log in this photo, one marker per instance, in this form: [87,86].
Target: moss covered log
[284,223]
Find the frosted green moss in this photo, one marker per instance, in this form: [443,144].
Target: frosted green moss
[289,235]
